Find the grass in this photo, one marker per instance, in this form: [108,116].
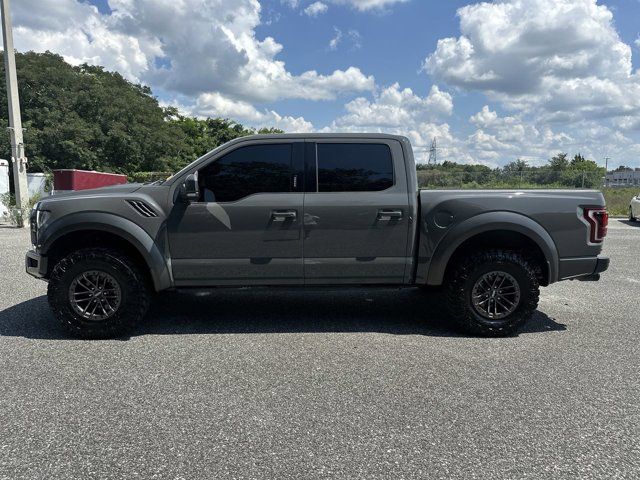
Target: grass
[618,199]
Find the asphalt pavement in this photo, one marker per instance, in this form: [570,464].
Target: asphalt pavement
[283,384]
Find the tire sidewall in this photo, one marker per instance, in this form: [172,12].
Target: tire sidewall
[524,284]
[469,268]
[133,297]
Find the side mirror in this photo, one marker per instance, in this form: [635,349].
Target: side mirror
[190,188]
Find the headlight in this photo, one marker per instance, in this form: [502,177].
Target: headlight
[37,219]
[41,217]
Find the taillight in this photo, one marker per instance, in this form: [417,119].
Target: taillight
[597,219]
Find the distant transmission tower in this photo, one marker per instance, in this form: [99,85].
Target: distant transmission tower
[433,152]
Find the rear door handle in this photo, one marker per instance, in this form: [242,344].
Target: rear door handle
[282,215]
[386,215]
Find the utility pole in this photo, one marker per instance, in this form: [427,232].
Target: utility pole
[606,170]
[18,160]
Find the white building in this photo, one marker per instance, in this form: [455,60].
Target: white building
[627,178]
[36,183]
[4,184]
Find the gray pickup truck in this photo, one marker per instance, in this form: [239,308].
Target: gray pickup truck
[310,210]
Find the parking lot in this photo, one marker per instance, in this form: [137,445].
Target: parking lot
[346,384]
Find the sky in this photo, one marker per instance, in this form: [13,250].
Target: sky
[492,81]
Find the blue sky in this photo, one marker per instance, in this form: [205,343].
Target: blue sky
[493,81]
[393,43]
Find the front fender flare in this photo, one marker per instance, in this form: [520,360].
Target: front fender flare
[487,222]
[125,229]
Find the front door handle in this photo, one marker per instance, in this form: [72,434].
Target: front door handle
[282,215]
[386,215]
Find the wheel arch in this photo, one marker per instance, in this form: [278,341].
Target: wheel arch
[498,229]
[106,230]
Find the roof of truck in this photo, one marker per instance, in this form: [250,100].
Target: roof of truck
[280,136]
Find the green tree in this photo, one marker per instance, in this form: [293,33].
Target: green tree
[270,131]
[518,166]
[578,162]
[85,117]
[559,162]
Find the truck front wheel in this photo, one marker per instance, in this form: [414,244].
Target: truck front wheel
[97,293]
[492,292]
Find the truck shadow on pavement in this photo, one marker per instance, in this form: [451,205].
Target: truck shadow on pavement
[395,312]
[630,223]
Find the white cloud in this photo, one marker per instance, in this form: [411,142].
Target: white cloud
[629,123]
[335,41]
[400,111]
[217,105]
[394,107]
[316,9]
[364,5]
[484,117]
[80,34]
[509,137]
[319,7]
[558,65]
[560,56]
[218,52]
[353,37]
[291,3]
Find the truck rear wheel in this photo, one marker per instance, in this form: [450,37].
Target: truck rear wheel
[97,293]
[493,292]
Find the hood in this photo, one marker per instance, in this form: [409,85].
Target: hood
[114,190]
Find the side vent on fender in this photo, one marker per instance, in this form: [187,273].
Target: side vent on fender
[142,208]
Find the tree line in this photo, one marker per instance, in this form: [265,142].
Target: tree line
[560,171]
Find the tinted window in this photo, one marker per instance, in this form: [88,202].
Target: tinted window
[354,167]
[245,171]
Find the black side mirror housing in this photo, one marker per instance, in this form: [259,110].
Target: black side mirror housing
[190,190]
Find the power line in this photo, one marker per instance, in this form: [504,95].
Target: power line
[433,152]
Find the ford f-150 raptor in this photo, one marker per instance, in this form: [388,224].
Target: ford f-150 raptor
[310,210]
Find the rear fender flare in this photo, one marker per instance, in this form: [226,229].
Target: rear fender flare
[487,222]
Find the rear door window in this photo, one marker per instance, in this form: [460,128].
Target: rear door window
[354,167]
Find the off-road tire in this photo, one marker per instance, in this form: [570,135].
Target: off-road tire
[133,287]
[631,217]
[469,268]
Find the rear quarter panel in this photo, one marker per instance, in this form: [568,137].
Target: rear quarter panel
[551,213]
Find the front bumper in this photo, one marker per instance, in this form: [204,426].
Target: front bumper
[35,264]
[584,269]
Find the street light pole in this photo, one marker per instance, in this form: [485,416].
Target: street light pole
[606,170]
[18,160]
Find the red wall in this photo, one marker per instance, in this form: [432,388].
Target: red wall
[84,180]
